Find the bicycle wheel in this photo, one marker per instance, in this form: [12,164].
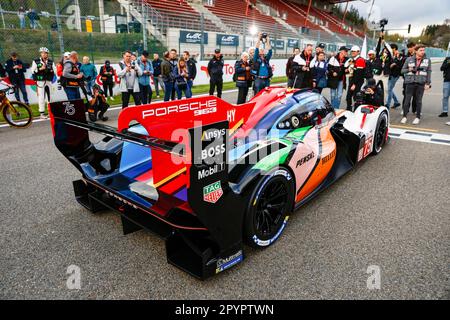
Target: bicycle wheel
[17,114]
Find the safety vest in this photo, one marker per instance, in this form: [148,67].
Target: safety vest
[67,82]
[43,75]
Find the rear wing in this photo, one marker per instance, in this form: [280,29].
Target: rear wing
[188,139]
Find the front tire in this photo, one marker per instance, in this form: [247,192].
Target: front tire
[17,114]
[269,208]
[381,132]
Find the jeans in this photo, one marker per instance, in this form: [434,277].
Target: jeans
[158,82]
[73,93]
[89,85]
[260,84]
[336,95]
[146,93]
[187,91]
[22,22]
[446,92]
[108,87]
[413,91]
[391,94]
[168,87]
[126,98]
[242,95]
[21,86]
[213,83]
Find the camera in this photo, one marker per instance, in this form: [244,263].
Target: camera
[263,35]
[133,65]
[383,23]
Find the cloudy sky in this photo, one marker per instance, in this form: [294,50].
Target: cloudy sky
[400,13]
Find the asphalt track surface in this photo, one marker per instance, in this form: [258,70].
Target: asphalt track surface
[391,212]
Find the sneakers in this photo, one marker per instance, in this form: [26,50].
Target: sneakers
[416,121]
[43,116]
[158,96]
[396,105]
[443,115]
[448,123]
[403,120]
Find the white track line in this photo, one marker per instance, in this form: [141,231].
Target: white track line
[419,136]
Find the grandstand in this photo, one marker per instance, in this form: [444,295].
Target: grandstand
[164,20]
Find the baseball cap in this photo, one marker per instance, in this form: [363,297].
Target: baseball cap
[66,54]
[321,45]
[343,48]
[217,51]
[371,52]
[355,48]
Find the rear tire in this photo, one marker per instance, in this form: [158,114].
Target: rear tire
[269,207]
[381,132]
[17,114]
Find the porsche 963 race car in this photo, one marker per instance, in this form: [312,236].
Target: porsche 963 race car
[209,176]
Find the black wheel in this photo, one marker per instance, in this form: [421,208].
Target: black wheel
[380,133]
[269,207]
[17,114]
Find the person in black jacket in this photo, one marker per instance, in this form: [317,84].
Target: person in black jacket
[16,73]
[337,80]
[445,68]
[395,66]
[192,68]
[107,74]
[290,72]
[372,94]
[157,73]
[356,67]
[215,72]
[303,73]
[2,72]
[243,77]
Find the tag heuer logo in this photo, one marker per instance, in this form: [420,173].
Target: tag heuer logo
[212,192]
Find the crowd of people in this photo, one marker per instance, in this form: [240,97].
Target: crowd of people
[363,79]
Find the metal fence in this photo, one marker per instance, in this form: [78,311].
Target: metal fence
[103,29]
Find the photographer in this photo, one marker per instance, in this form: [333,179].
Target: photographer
[371,94]
[215,72]
[97,105]
[16,73]
[417,71]
[43,70]
[144,80]
[107,74]
[262,69]
[90,74]
[72,78]
[129,80]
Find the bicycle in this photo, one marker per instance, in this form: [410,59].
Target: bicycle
[15,113]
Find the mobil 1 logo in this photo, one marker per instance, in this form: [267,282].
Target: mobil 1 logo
[209,158]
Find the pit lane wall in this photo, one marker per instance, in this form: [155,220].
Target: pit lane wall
[57,93]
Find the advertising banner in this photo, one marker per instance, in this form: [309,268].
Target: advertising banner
[193,37]
[227,40]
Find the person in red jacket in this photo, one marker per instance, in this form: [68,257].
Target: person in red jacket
[356,67]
